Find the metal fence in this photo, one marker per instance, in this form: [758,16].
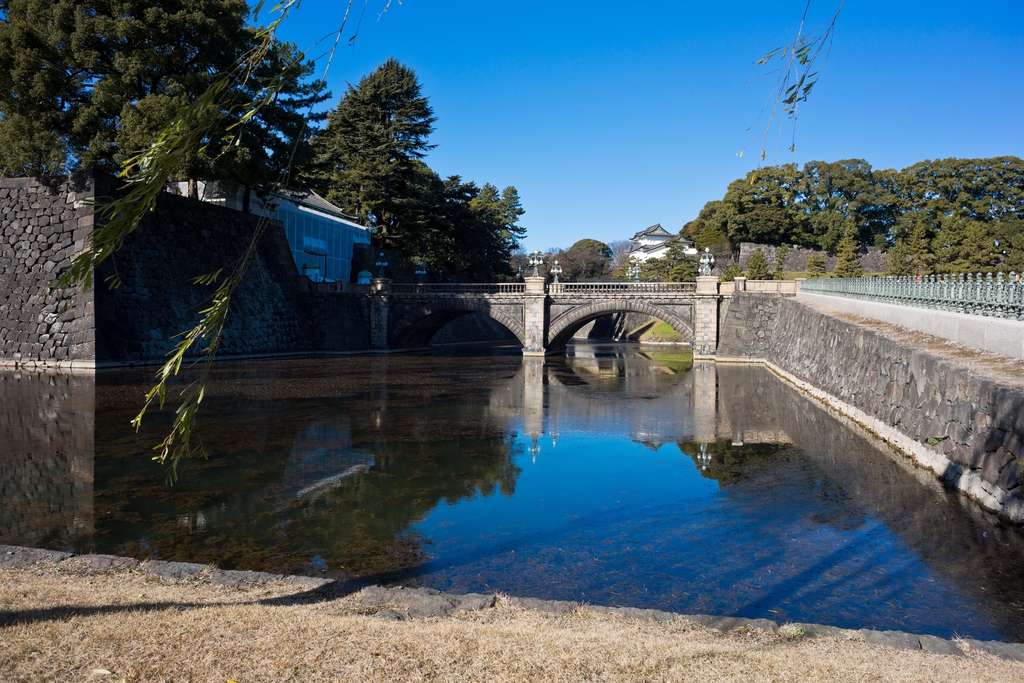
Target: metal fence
[990,295]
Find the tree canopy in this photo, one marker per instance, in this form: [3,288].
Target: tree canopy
[92,83]
[953,210]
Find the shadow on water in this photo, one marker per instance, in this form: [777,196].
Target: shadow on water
[615,475]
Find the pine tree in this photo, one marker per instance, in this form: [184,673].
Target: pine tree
[849,264]
[368,150]
[780,262]
[757,267]
[72,75]
[815,265]
[731,272]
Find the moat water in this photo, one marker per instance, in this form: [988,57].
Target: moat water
[615,476]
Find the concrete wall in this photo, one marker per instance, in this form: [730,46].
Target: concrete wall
[996,335]
[951,416]
[43,228]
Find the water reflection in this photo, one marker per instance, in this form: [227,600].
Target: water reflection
[611,475]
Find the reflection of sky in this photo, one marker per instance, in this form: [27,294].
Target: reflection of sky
[605,520]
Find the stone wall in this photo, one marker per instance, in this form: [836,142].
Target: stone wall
[43,228]
[872,260]
[965,424]
[157,300]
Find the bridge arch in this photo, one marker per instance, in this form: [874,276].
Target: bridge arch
[416,327]
[562,328]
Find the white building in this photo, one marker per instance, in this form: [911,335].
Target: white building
[321,236]
[654,243]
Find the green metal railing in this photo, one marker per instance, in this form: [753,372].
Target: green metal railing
[990,295]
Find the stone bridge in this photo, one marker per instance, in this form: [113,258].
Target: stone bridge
[542,316]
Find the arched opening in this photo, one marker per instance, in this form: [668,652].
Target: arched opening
[566,325]
[418,327]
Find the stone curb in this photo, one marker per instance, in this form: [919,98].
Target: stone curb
[420,603]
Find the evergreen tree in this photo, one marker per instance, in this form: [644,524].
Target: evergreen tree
[815,265]
[369,148]
[731,272]
[757,267]
[674,266]
[780,262]
[849,264]
[898,260]
[74,74]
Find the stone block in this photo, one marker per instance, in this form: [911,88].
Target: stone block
[896,639]
[241,579]
[311,582]
[16,556]
[1012,651]
[106,562]
[730,623]
[173,570]
[939,646]
[424,602]
[550,606]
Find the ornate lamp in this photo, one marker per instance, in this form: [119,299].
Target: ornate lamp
[633,272]
[421,271]
[707,262]
[536,260]
[381,265]
[555,270]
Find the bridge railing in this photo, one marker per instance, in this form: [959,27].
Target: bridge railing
[621,287]
[456,288]
[987,295]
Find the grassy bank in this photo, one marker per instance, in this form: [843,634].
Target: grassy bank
[56,624]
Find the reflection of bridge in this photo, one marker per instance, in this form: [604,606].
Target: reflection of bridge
[646,401]
[543,317]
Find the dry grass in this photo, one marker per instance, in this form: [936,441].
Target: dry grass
[61,626]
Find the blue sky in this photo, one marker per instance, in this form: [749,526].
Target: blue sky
[609,117]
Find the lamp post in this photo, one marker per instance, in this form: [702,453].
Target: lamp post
[633,272]
[555,270]
[381,265]
[421,272]
[707,262]
[536,260]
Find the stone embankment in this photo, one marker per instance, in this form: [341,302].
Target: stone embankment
[957,412]
[399,603]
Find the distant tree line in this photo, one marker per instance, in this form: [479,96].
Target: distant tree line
[93,83]
[943,216]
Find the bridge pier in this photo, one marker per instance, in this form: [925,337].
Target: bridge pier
[705,316]
[535,317]
[380,300]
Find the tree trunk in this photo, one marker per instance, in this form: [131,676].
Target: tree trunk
[246,198]
[193,188]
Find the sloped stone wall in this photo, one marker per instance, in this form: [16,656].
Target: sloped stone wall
[42,228]
[967,426]
[157,300]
